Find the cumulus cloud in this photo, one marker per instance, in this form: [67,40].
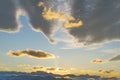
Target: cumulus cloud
[116,58]
[31,53]
[97,61]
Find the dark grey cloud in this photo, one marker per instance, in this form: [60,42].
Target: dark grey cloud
[100,18]
[36,19]
[101,21]
[8,16]
[31,53]
[116,58]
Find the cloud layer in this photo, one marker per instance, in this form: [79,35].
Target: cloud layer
[31,53]
[69,21]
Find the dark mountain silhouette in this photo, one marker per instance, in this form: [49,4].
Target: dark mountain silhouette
[40,75]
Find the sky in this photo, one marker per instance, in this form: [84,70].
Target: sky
[60,36]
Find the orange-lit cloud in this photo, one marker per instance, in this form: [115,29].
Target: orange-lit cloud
[106,71]
[65,71]
[51,69]
[68,20]
[97,61]
[102,73]
[29,68]
[73,24]
[55,69]
[109,73]
[35,68]
[39,54]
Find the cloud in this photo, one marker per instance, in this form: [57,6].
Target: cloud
[116,58]
[109,73]
[106,71]
[9,16]
[29,68]
[10,12]
[64,72]
[36,20]
[101,21]
[97,61]
[73,24]
[37,67]
[42,16]
[31,53]
[55,69]
[51,69]
[69,21]
[68,72]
